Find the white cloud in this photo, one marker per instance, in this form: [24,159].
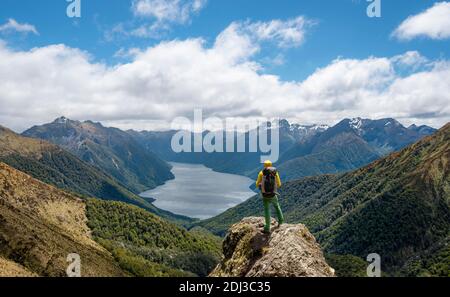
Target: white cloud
[154,30]
[173,78]
[154,18]
[177,11]
[285,34]
[13,26]
[411,60]
[127,53]
[235,45]
[290,33]
[433,23]
[242,40]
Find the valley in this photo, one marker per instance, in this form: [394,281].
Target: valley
[153,140]
[361,186]
[54,165]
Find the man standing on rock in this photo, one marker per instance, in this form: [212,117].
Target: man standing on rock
[268,182]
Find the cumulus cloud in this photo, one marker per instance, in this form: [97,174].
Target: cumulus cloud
[283,33]
[289,33]
[433,23]
[161,14]
[127,53]
[411,59]
[13,26]
[242,40]
[178,11]
[173,78]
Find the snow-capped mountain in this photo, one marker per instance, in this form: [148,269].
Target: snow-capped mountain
[386,135]
[299,132]
[349,144]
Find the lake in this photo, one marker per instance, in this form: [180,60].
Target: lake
[200,192]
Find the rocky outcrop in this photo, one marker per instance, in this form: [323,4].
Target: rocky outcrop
[289,251]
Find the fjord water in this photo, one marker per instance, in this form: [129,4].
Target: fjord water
[200,192]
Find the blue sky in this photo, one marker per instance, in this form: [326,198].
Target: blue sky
[330,30]
[343,28]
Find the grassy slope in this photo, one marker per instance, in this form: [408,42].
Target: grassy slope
[9,268]
[41,225]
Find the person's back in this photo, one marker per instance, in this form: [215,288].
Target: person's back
[269,182]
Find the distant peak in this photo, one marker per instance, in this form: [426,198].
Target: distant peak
[391,121]
[294,126]
[356,123]
[284,123]
[320,127]
[355,120]
[93,123]
[61,120]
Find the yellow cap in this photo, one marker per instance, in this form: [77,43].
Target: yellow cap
[267,164]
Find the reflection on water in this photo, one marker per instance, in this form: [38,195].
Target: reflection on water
[199,192]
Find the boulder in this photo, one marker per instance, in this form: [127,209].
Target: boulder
[288,251]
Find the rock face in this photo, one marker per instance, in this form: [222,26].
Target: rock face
[289,251]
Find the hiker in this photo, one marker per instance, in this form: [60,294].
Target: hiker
[268,182]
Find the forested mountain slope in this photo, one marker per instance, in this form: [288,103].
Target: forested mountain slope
[398,206]
[41,225]
[110,149]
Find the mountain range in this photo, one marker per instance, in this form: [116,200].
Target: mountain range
[52,164]
[110,149]
[398,207]
[242,163]
[138,159]
[361,186]
[304,150]
[348,145]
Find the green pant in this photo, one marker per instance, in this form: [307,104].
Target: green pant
[267,203]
